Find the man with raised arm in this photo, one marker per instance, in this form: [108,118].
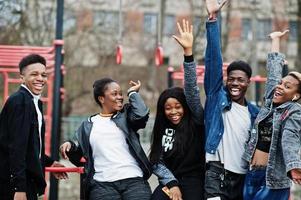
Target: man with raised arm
[228,116]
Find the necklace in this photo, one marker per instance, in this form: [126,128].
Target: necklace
[106,115]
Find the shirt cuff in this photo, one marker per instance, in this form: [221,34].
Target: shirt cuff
[172,184]
[131,92]
[188,58]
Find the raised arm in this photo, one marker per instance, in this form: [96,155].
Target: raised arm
[213,56]
[138,112]
[191,89]
[275,62]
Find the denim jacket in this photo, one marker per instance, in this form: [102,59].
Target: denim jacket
[286,137]
[217,96]
[131,118]
[192,95]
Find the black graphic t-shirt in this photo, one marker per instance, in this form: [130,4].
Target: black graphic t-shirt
[189,163]
[265,130]
[168,140]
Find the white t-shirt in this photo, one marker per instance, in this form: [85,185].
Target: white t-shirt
[112,159]
[231,147]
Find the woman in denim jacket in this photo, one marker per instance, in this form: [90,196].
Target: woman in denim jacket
[177,150]
[274,143]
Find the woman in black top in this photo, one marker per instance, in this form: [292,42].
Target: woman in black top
[177,149]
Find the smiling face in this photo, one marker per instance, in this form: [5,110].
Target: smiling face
[286,90]
[173,110]
[237,84]
[34,76]
[112,100]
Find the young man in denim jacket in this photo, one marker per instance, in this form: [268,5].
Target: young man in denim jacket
[228,117]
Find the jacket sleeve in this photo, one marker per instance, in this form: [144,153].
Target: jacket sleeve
[275,62]
[213,61]
[164,175]
[138,112]
[19,116]
[291,141]
[192,92]
[48,161]
[75,153]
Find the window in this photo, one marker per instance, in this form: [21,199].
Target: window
[150,24]
[293,30]
[69,21]
[169,25]
[107,20]
[264,28]
[246,32]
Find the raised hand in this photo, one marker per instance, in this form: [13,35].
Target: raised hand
[278,34]
[275,36]
[135,86]
[213,7]
[185,39]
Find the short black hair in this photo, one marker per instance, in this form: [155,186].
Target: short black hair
[99,88]
[240,65]
[31,59]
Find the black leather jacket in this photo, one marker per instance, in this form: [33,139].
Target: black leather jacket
[131,118]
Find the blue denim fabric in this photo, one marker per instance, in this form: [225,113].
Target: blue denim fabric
[217,97]
[126,189]
[285,145]
[255,187]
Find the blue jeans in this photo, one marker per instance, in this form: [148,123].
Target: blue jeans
[255,187]
[126,189]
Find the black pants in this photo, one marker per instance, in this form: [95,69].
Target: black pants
[223,183]
[125,189]
[191,189]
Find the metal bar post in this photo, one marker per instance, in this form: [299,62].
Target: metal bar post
[56,112]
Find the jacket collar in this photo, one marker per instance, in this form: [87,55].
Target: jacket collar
[284,105]
[253,109]
[25,91]
[36,97]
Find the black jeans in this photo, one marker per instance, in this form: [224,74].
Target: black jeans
[192,188]
[126,189]
[223,183]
